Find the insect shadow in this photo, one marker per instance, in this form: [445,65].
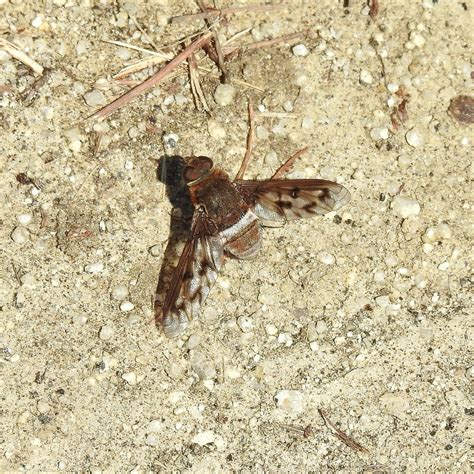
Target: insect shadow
[170,173]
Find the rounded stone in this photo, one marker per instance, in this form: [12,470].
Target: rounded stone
[405,207]
[20,235]
[224,94]
[290,400]
[94,98]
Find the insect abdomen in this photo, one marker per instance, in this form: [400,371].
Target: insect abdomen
[243,239]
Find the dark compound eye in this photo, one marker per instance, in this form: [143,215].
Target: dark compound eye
[197,167]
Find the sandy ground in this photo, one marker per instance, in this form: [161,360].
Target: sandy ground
[366,314]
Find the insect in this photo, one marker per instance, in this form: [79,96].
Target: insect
[227,222]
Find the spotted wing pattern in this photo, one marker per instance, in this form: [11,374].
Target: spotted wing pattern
[197,271]
[288,199]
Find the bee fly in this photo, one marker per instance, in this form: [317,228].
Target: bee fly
[227,221]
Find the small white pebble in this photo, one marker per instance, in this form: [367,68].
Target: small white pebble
[379,276]
[285,338]
[321,326]
[24,219]
[290,401]
[443,266]
[271,329]
[130,378]
[392,87]
[75,146]
[271,158]
[339,340]
[366,77]
[193,341]
[20,235]
[326,258]
[404,161]
[300,50]
[245,323]
[314,346]
[154,426]
[180,100]
[288,106]
[170,140]
[216,129]
[262,132]
[119,292]
[427,248]
[106,332]
[37,21]
[156,250]
[79,319]
[232,373]
[203,438]
[94,98]
[470,372]
[96,267]
[151,440]
[405,207]
[307,122]
[379,133]
[224,94]
[128,165]
[126,306]
[414,138]
[28,280]
[417,39]
[382,301]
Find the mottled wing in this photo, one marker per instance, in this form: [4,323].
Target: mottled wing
[197,270]
[288,199]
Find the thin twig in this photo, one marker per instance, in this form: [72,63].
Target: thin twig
[305,431]
[237,35]
[219,56]
[153,80]
[166,56]
[226,11]
[196,89]
[284,168]
[250,140]
[144,33]
[13,51]
[234,81]
[347,440]
[139,66]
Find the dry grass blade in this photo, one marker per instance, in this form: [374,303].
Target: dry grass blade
[285,167]
[214,53]
[347,440]
[250,140]
[139,66]
[226,11]
[153,80]
[13,51]
[165,56]
[198,94]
